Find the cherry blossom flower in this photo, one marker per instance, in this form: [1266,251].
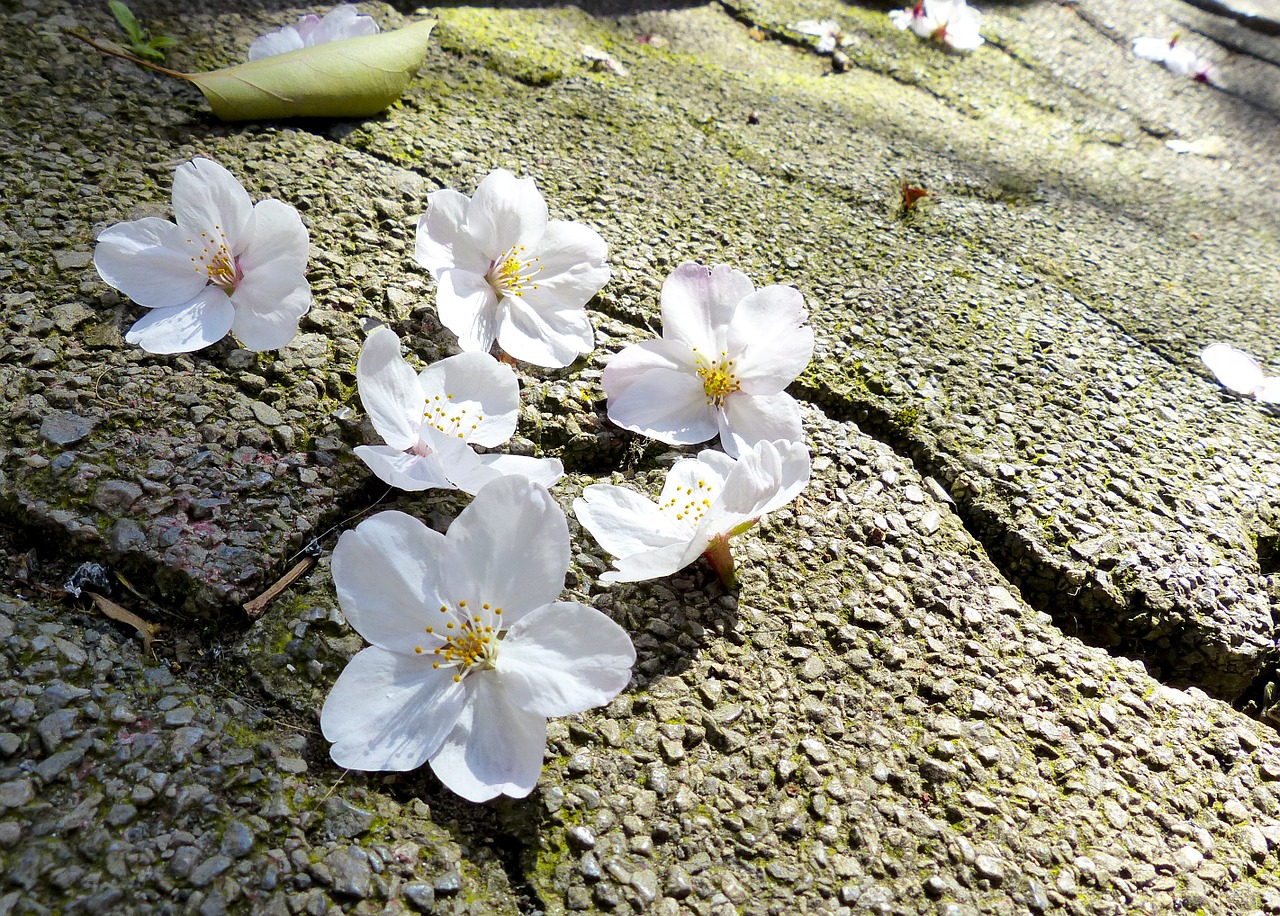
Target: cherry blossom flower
[507,273]
[1241,373]
[1177,58]
[828,32]
[727,352]
[705,501]
[471,650]
[951,22]
[430,419]
[228,265]
[341,22]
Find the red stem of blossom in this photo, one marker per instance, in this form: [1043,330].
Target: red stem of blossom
[721,560]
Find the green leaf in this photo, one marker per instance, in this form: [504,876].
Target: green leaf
[125,17]
[351,78]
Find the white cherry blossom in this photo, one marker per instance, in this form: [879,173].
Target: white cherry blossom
[429,420]
[950,22]
[471,648]
[341,22]
[1176,57]
[705,501]
[227,265]
[1238,371]
[726,355]
[506,272]
[828,32]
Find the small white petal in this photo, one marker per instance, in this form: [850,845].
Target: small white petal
[544,471]
[389,390]
[509,547]
[266,320]
[746,420]
[340,23]
[655,564]
[204,320]
[389,711]
[552,337]
[625,522]
[666,405]
[468,306]
[630,363]
[276,239]
[494,749]
[698,304]
[1148,48]
[405,470]
[564,658]
[769,340]
[571,256]
[207,198]
[1234,369]
[281,41]
[150,261]
[479,397]
[506,212]
[387,575]
[443,241]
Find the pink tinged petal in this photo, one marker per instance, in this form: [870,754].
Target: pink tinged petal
[1234,369]
[704,475]
[746,420]
[150,261]
[666,405]
[766,477]
[265,321]
[389,711]
[443,241]
[509,548]
[506,211]
[389,390]
[405,470]
[654,564]
[494,749]
[387,575]
[551,337]
[1269,391]
[480,392]
[624,367]
[625,522]
[208,198]
[769,340]
[698,304]
[342,22]
[564,658]
[281,41]
[307,25]
[204,320]
[468,307]
[544,471]
[571,257]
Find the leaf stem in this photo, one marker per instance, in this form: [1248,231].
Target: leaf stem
[720,557]
[123,55]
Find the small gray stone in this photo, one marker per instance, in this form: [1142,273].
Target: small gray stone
[55,727]
[266,414]
[116,496]
[17,793]
[126,535]
[121,814]
[183,861]
[209,869]
[1188,858]
[422,897]
[237,840]
[990,868]
[351,872]
[9,743]
[343,821]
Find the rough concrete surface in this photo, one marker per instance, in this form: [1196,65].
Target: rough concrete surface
[1012,651]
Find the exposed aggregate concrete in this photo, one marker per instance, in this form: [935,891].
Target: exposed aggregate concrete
[875,722]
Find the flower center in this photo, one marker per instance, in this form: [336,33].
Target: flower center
[718,378]
[216,262]
[467,641]
[688,504]
[513,273]
[451,419]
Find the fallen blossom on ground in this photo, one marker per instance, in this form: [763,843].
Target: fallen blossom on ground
[950,22]
[1176,57]
[1238,371]
[341,22]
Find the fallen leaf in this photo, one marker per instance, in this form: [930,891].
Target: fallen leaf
[1209,147]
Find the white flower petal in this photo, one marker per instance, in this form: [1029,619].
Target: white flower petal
[1234,369]
[544,471]
[747,419]
[698,304]
[627,365]
[340,23]
[149,260]
[494,749]
[443,241]
[277,240]
[564,658]
[281,41]
[666,405]
[509,548]
[387,575]
[405,470]
[207,198]
[572,258]
[472,394]
[265,320]
[655,564]
[506,212]
[625,522]
[204,320]
[389,390]
[1148,48]
[552,337]
[769,340]
[468,306]
[389,712]
[766,477]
